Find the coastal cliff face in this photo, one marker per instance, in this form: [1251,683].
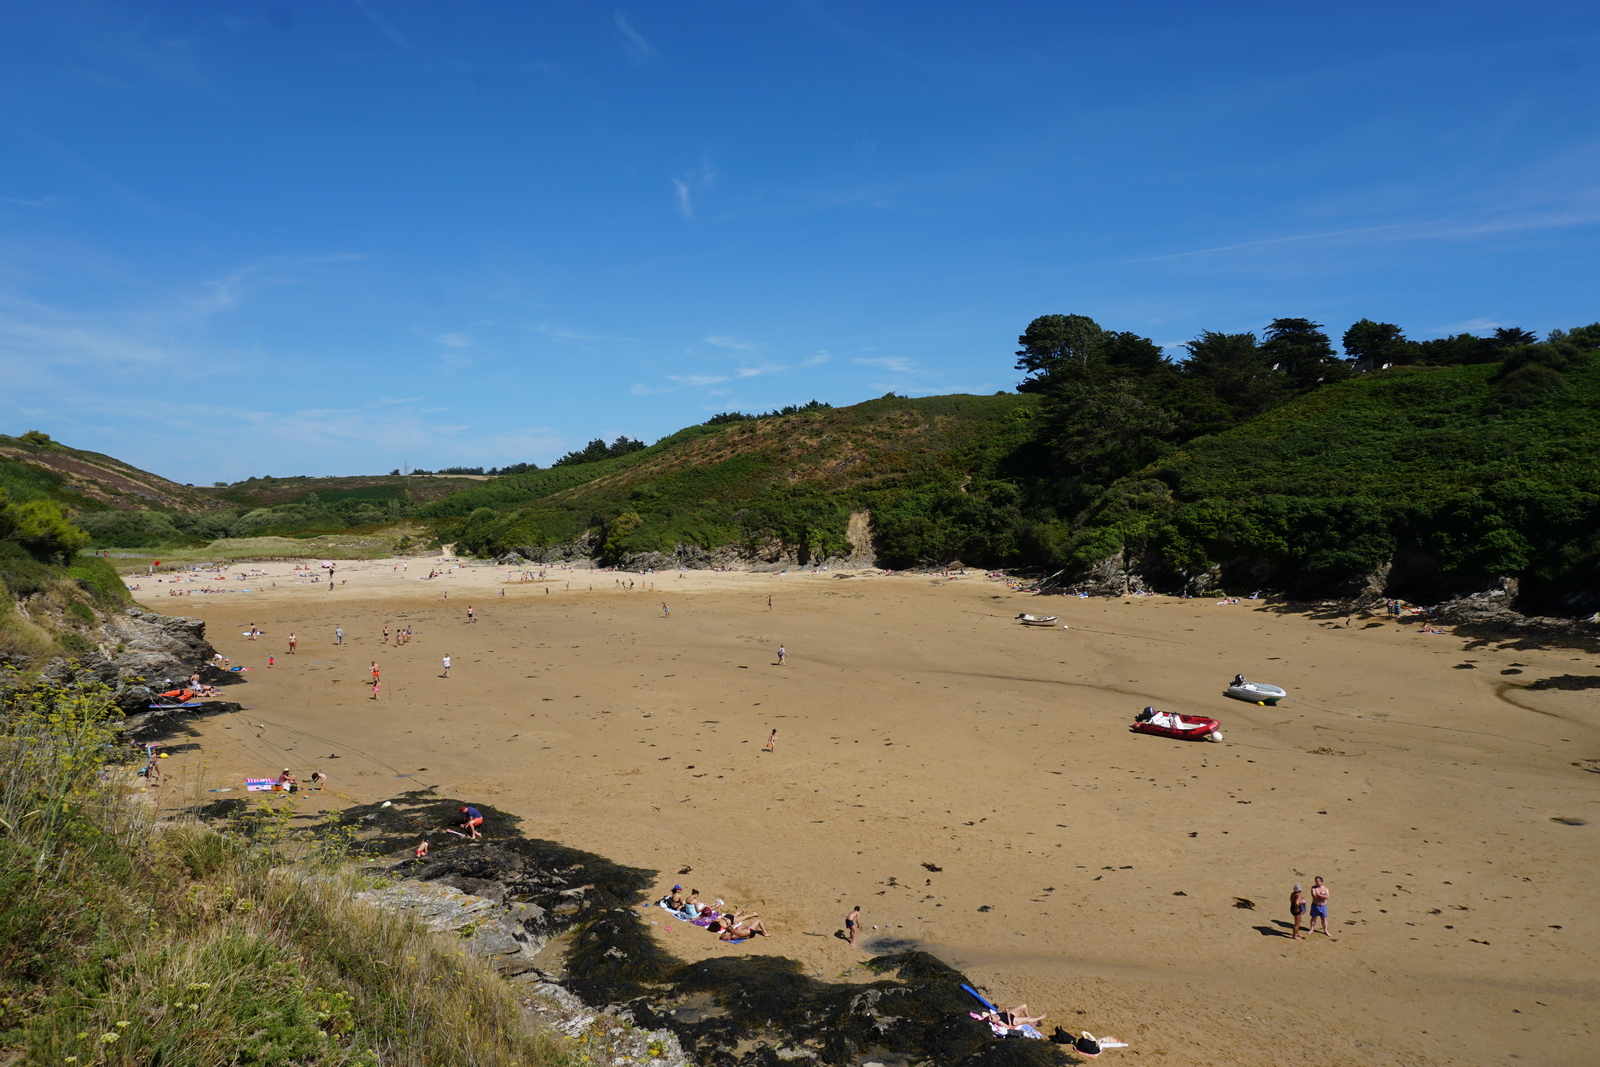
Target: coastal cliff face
[139,654]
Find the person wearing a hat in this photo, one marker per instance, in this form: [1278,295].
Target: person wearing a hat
[474,820]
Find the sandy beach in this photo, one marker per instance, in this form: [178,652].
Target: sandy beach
[973,785]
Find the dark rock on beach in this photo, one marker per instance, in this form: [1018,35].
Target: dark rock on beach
[508,897]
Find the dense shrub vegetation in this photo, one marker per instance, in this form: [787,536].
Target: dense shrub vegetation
[1471,468]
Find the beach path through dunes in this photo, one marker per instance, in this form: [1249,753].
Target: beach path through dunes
[1080,867]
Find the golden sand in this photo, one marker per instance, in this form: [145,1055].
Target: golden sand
[1090,871]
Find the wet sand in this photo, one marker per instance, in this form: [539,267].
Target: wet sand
[1085,869]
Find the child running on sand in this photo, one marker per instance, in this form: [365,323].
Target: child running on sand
[772,743]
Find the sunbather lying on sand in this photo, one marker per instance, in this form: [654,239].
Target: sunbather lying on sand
[738,930]
[1017,1016]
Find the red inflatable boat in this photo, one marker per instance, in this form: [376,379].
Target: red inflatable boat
[1183,727]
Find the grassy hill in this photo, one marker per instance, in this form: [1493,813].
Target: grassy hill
[931,471]
[34,467]
[270,492]
[1430,469]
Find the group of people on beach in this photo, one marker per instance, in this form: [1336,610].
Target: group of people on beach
[1318,907]
[733,928]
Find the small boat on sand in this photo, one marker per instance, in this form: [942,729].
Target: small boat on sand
[1254,692]
[1039,620]
[1171,724]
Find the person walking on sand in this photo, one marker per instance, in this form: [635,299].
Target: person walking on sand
[1319,906]
[783,654]
[374,687]
[446,673]
[1297,908]
[470,616]
[374,670]
[293,641]
[666,612]
[852,923]
[338,635]
[385,634]
[769,601]
[772,743]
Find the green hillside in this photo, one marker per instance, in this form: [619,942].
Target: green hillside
[932,471]
[34,467]
[1441,469]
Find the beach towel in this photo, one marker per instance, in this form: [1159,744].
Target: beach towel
[260,785]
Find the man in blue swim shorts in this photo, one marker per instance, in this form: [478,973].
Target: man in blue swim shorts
[1319,906]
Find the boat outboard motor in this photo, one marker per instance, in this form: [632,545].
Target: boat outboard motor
[1238,679]
[1145,716]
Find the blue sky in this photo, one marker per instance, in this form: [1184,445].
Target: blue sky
[333,237]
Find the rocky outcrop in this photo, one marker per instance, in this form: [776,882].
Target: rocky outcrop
[771,555]
[489,928]
[506,897]
[147,653]
[1493,613]
[498,932]
[1123,574]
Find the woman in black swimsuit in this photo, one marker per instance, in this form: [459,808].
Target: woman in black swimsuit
[1297,908]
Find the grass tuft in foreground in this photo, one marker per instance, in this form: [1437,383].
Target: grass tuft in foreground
[124,942]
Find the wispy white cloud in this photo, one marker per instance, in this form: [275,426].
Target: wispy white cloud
[454,340]
[384,26]
[683,186]
[738,374]
[639,49]
[24,202]
[1478,325]
[733,343]
[898,364]
[69,344]
[388,402]
[563,334]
